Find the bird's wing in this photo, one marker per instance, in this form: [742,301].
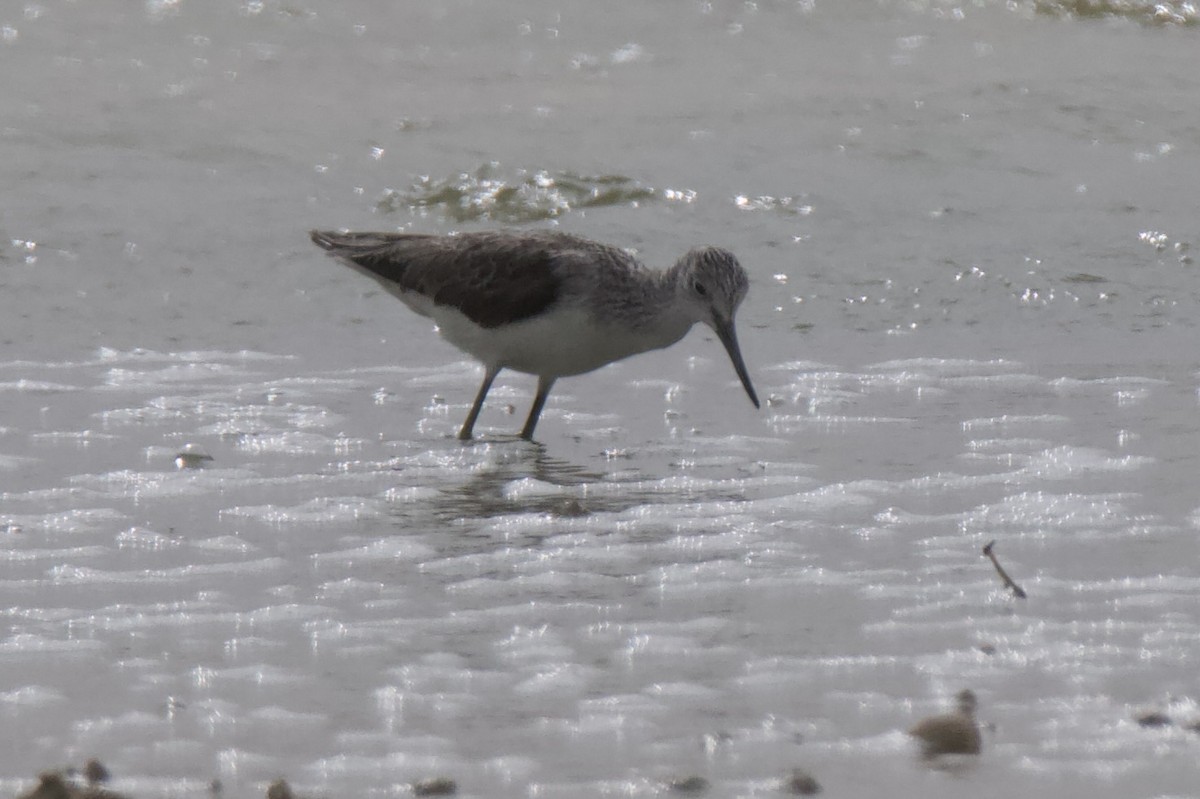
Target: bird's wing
[491,278]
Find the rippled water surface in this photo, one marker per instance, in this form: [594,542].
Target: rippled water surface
[241,540]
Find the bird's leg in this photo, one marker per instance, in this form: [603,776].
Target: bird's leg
[465,433]
[543,391]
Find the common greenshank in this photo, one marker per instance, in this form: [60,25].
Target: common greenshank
[548,304]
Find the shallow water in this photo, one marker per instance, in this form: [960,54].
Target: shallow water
[972,318]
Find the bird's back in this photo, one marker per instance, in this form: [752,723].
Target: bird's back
[493,278]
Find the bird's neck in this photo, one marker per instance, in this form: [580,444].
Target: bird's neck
[650,316]
[666,311]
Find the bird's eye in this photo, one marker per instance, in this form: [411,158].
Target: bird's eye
[698,287]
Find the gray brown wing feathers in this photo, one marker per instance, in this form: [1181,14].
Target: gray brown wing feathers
[492,278]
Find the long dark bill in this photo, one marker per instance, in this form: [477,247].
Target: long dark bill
[725,332]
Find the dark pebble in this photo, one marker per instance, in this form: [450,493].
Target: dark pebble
[692,784]
[1153,719]
[801,783]
[435,786]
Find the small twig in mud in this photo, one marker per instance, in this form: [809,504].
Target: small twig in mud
[1016,589]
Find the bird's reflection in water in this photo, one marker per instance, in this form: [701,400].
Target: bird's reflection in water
[480,490]
[485,493]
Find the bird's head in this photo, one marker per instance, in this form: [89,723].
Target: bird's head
[711,284]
